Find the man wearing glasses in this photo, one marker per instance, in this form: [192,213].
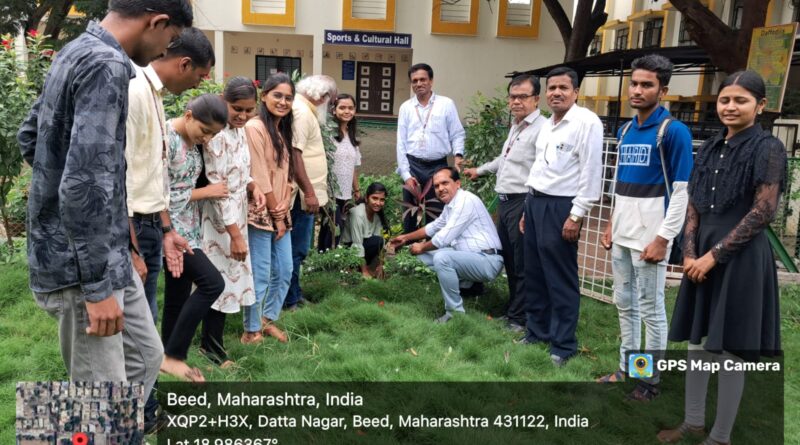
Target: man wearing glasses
[512,167]
[563,185]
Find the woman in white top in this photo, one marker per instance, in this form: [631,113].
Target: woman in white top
[346,158]
[225,237]
[364,228]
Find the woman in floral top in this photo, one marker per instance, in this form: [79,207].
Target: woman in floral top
[225,236]
[205,116]
[269,137]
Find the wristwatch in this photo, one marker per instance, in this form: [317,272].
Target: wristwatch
[575,218]
[166,229]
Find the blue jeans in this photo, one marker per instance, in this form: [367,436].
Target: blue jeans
[302,232]
[454,266]
[639,296]
[150,238]
[271,261]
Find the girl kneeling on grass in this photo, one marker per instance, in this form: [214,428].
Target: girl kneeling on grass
[225,236]
[364,227]
[269,137]
[205,116]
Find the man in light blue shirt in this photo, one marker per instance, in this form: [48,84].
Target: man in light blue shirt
[428,130]
[463,248]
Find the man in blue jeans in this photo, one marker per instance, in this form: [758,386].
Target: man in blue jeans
[464,247]
[183,67]
[310,170]
[185,64]
[648,214]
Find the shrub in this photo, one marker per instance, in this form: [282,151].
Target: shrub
[22,82]
[488,120]
[174,106]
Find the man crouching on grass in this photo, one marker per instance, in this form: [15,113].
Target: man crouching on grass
[463,248]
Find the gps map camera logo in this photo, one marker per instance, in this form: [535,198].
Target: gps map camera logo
[640,366]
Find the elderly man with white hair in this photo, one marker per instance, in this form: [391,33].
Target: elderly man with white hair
[310,169]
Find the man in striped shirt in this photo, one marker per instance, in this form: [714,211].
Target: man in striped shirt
[463,248]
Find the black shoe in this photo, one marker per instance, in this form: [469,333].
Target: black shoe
[558,361]
[525,340]
[475,290]
[514,327]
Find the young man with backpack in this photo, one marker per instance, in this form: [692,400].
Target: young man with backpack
[653,166]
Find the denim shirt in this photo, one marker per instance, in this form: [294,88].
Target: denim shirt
[74,137]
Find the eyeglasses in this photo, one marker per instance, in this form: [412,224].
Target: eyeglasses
[513,97]
[280,96]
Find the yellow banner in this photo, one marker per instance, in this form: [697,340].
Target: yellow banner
[770,56]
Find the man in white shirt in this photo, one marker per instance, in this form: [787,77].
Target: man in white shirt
[463,248]
[428,130]
[564,183]
[512,166]
[187,61]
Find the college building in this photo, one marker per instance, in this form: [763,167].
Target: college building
[367,46]
[643,24]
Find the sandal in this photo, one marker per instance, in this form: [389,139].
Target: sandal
[644,392]
[216,359]
[681,432]
[250,338]
[614,377]
[268,328]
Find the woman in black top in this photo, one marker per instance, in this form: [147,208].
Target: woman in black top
[727,306]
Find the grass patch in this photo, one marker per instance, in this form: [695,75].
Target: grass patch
[377,331]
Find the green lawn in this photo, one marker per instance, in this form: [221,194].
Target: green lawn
[376,331]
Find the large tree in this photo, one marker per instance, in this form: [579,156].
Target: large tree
[590,15]
[726,47]
[16,15]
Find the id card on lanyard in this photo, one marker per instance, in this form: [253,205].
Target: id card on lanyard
[161,129]
[422,142]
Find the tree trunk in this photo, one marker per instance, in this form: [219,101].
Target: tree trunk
[726,47]
[58,14]
[6,223]
[589,16]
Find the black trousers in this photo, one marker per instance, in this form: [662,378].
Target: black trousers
[423,171]
[327,238]
[372,249]
[211,339]
[184,309]
[552,293]
[509,214]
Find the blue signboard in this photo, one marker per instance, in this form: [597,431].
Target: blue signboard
[348,70]
[366,38]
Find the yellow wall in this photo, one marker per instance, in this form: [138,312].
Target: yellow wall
[332,66]
[243,64]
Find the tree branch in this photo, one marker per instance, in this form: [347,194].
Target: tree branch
[560,18]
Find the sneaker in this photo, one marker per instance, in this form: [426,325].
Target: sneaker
[558,361]
[444,318]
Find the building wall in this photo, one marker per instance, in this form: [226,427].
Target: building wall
[463,65]
[597,92]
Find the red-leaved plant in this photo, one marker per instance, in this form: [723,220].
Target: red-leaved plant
[420,207]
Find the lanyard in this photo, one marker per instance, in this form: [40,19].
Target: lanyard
[427,115]
[154,95]
[515,137]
